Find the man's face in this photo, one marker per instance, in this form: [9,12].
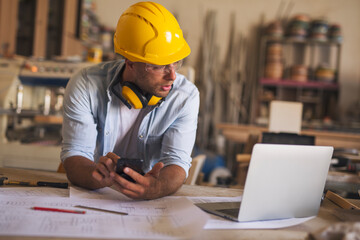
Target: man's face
[153,79]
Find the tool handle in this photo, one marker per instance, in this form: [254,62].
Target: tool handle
[20,183]
[53,184]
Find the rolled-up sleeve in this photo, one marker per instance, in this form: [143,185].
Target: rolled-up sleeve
[79,126]
[179,139]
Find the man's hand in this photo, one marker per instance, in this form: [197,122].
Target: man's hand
[158,182]
[85,173]
[104,171]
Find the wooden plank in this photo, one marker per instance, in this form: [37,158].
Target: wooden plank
[341,202]
[41,24]
[48,119]
[70,44]
[8,23]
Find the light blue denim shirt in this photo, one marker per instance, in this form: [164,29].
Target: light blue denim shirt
[91,119]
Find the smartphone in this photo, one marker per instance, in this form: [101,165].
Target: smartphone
[133,163]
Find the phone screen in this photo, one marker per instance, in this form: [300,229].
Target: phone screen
[133,163]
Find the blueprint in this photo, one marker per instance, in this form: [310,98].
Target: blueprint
[166,218]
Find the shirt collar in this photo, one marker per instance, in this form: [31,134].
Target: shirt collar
[114,76]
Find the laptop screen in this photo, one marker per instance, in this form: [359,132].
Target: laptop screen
[284,181]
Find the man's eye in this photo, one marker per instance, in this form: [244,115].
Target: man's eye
[158,67]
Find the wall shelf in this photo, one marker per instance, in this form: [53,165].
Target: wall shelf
[291,83]
[301,70]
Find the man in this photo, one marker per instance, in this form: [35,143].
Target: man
[133,108]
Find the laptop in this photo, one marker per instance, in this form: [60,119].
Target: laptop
[283,181]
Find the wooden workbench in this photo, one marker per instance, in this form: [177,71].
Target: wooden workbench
[325,218]
[240,133]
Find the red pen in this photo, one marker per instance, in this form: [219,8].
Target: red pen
[58,210]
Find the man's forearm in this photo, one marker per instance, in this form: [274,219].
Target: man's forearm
[79,171]
[172,178]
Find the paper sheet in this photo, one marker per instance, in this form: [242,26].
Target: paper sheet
[166,218]
[110,199]
[34,192]
[213,223]
[103,193]
[214,199]
[216,222]
[220,223]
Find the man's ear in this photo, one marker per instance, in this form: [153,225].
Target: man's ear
[129,63]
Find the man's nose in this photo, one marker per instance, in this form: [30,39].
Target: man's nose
[170,72]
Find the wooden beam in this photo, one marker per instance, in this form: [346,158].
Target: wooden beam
[8,25]
[70,44]
[41,24]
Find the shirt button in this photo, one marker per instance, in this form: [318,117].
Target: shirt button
[141,136]
[107,133]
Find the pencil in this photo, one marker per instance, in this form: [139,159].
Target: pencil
[58,210]
[101,210]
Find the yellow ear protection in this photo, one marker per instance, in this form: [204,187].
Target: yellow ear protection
[136,98]
[132,96]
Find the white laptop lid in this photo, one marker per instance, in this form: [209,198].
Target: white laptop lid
[284,181]
[285,116]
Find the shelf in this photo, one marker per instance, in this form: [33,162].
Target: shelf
[289,40]
[44,81]
[294,84]
[278,56]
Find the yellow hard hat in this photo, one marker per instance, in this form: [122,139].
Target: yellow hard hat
[147,32]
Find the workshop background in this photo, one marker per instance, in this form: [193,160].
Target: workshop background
[244,55]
